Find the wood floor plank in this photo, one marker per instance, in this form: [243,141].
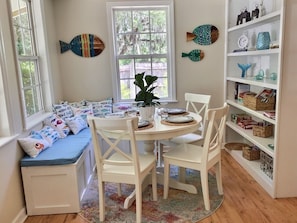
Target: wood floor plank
[245,201]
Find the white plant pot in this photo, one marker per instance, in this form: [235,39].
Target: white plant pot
[147,113]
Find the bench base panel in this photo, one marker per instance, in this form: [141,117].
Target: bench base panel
[58,189]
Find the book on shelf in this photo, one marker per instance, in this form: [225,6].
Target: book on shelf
[269,114]
[240,90]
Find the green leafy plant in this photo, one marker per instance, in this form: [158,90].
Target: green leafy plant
[145,97]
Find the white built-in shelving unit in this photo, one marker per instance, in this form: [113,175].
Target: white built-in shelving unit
[271,61]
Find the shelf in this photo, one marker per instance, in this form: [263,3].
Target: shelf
[262,143]
[266,83]
[258,114]
[274,16]
[253,168]
[254,53]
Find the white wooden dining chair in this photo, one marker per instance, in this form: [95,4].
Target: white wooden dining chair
[199,104]
[201,158]
[118,165]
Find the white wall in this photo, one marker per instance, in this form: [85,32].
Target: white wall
[90,78]
[76,78]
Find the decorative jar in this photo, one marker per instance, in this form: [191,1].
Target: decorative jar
[263,41]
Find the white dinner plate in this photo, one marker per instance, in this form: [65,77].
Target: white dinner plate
[143,123]
[179,119]
[175,111]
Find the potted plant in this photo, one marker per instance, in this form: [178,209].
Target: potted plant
[145,98]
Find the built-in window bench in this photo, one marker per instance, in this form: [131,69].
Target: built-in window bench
[55,181]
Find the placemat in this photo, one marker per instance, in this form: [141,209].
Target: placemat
[164,122]
[151,125]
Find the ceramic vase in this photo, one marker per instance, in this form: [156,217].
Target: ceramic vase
[147,113]
[263,41]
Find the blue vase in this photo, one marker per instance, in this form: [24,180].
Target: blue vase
[263,41]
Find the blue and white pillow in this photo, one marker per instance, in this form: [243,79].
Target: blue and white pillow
[101,108]
[76,124]
[58,124]
[83,111]
[48,133]
[33,144]
[63,110]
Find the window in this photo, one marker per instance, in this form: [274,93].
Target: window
[142,41]
[27,58]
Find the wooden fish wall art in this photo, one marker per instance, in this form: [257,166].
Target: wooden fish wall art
[204,34]
[84,45]
[194,55]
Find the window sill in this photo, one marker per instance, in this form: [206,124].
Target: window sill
[37,120]
[7,139]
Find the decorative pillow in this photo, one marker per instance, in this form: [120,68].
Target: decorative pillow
[33,144]
[58,124]
[120,106]
[83,111]
[78,104]
[76,124]
[101,108]
[63,110]
[48,133]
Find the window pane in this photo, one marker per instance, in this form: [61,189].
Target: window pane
[125,44]
[123,21]
[28,73]
[127,89]
[159,43]
[158,20]
[27,41]
[141,22]
[32,98]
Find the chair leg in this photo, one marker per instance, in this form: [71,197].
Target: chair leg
[154,184]
[119,190]
[218,169]
[182,174]
[138,190]
[166,179]
[205,190]
[101,186]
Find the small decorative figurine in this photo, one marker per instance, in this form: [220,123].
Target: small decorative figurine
[244,68]
[261,8]
[244,16]
[255,12]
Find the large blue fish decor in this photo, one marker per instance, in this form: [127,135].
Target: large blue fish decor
[204,34]
[84,45]
[194,55]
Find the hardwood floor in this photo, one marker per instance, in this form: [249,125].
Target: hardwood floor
[244,202]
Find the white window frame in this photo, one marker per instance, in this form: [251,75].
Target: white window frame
[43,69]
[169,4]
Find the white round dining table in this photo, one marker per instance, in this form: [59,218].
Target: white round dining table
[161,131]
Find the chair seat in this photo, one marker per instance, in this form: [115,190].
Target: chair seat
[188,138]
[144,161]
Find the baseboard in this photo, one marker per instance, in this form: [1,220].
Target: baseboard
[21,217]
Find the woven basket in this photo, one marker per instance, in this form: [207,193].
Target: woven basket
[250,101]
[235,145]
[250,153]
[263,131]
